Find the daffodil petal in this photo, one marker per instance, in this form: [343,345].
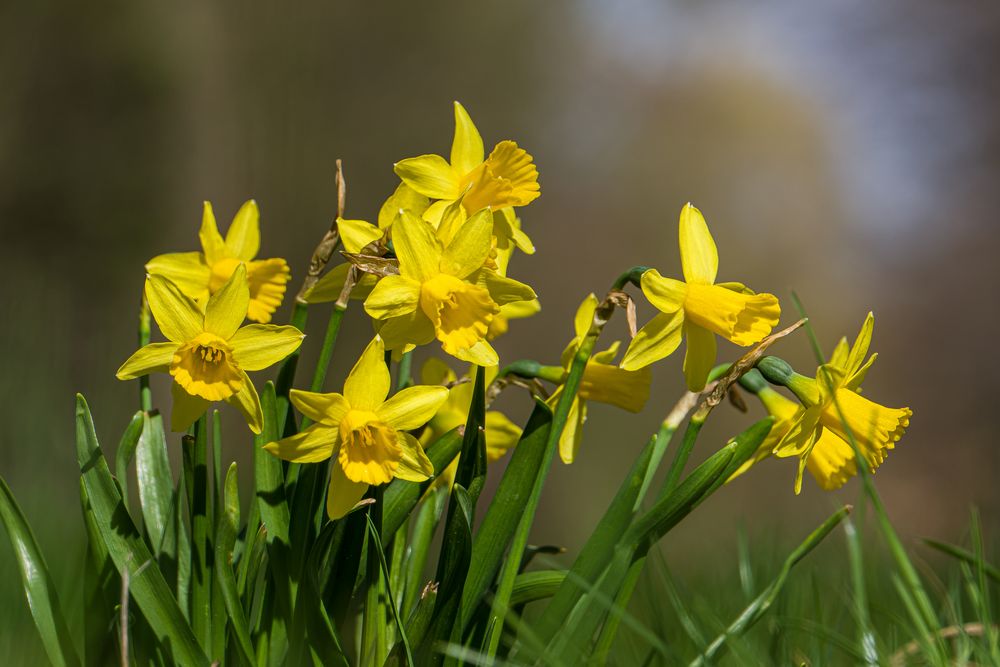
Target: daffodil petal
[840,354]
[501,435]
[356,234]
[699,357]
[413,329]
[367,384]
[504,290]
[429,175]
[342,494]
[801,434]
[654,341]
[326,409]
[257,346]
[861,344]
[628,390]
[393,296]
[666,294]
[243,237]
[467,150]
[211,240]
[312,445]
[434,371]
[855,381]
[481,354]
[416,246]
[152,358]
[186,409]
[470,247]
[227,308]
[404,198]
[585,316]
[572,435]
[331,284]
[412,407]
[831,461]
[699,256]
[187,270]
[414,466]
[178,316]
[247,401]
[267,279]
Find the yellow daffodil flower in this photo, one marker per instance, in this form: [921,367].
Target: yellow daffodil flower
[505,179]
[443,292]
[363,434]
[208,353]
[602,381]
[201,274]
[818,436]
[501,433]
[699,307]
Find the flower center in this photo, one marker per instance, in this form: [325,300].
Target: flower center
[461,312]
[205,367]
[222,271]
[369,448]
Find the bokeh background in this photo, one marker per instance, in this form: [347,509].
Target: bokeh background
[847,150]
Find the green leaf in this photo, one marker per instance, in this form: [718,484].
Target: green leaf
[43,600]
[127,549]
[424,526]
[377,542]
[126,450]
[228,521]
[505,511]
[154,478]
[756,609]
[471,471]
[401,496]
[100,591]
[536,585]
[195,455]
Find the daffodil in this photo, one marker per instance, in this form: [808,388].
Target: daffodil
[505,179]
[363,434]
[699,307]
[207,352]
[834,411]
[443,292]
[201,274]
[511,311]
[501,433]
[602,381]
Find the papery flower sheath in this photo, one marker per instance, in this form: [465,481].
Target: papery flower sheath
[443,292]
[201,274]
[699,308]
[208,353]
[362,433]
[602,381]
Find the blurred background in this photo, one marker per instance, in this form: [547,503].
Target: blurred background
[847,150]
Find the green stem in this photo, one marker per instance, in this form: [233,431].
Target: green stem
[326,352]
[405,376]
[373,630]
[683,453]
[145,394]
[633,275]
[286,376]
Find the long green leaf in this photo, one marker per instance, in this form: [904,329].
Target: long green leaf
[400,628]
[126,450]
[126,548]
[101,591]
[154,478]
[536,585]
[228,521]
[424,526]
[43,600]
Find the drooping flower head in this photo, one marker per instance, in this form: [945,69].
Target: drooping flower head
[602,381]
[363,434]
[834,411]
[443,292]
[201,274]
[699,308]
[501,433]
[207,352]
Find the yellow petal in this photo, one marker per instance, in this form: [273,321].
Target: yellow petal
[460,312]
[227,308]
[831,461]
[412,329]
[801,435]
[666,294]
[204,366]
[186,409]
[628,390]
[412,407]
[501,435]
[331,284]
[656,340]
[585,315]
[743,319]
[507,178]
[404,198]
[178,316]
[267,279]
[469,249]
[430,176]
[414,466]
[504,290]
[481,354]
[393,296]
[367,384]
[861,344]
[211,241]
[854,381]
[569,441]
[152,358]
[257,346]
[370,450]
[446,218]
[326,409]
[187,270]
[699,357]
[467,147]
[312,445]
[434,371]
[342,494]
[876,428]
[247,401]
[243,237]
[417,247]
[699,257]
[357,234]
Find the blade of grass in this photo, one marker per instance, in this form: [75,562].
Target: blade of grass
[228,521]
